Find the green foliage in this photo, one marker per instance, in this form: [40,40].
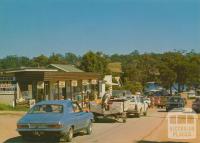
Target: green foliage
[133,87]
[94,62]
[41,60]
[166,68]
[4,107]
[71,59]
[14,61]
[57,59]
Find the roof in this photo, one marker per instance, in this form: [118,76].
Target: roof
[66,68]
[25,69]
[115,67]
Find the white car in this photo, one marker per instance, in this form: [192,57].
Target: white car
[191,94]
[137,106]
[148,101]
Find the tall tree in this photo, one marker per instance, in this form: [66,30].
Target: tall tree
[94,62]
[41,60]
[71,58]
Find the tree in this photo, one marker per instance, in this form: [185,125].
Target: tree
[167,77]
[177,62]
[14,61]
[71,59]
[194,71]
[56,59]
[94,62]
[41,60]
[133,87]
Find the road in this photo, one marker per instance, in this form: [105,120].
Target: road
[149,129]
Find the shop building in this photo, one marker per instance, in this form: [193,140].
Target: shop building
[53,83]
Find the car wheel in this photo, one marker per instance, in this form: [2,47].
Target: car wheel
[145,113]
[124,120]
[69,135]
[25,137]
[138,115]
[89,128]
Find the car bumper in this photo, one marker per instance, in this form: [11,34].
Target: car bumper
[42,132]
[132,112]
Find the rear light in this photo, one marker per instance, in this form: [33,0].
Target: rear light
[22,126]
[55,126]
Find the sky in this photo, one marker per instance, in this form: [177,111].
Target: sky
[34,27]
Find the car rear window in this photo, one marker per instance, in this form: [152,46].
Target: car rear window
[46,108]
[176,100]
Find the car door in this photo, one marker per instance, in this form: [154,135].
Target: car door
[79,115]
[139,104]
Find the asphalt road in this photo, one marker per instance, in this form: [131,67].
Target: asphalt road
[149,129]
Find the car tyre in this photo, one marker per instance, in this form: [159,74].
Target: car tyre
[124,120]
[138,115]
[69,135]
[145,113]
[89,128]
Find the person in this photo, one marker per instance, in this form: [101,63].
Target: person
[48,108]
[105,100]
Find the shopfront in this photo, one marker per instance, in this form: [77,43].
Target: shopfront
[47,84]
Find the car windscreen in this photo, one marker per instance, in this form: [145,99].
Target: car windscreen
[117,93]
[121,93]
[46,108]
[191,94]
[176,100]
[132,100]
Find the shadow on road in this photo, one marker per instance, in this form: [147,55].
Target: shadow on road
[106,120]
[161,110]
[19,139]
[144,141]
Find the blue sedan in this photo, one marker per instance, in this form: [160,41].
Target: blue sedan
[59,118]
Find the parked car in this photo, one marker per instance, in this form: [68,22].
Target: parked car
[191,94]
[175,102]
[137,106]
[125,94]
[147,101]
[59,118]
[162,101]
[196,105]
[110,107]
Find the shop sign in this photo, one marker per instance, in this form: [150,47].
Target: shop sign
[74,83]
[2,78]
[5,85]
[85,82]
[7,92]
[31,103]
[40,85]
[61,84]
[94,81]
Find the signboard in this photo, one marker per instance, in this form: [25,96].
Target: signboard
[61,84]
[6,85]
[7,92]
[94,81]
[4,78]
[31,103]
[85,82]
[74,83]
[40,85]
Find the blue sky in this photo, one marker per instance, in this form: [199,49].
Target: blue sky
[34,27]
